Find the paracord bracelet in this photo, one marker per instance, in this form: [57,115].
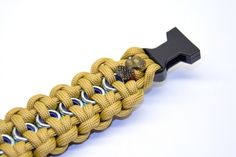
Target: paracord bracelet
[112,90]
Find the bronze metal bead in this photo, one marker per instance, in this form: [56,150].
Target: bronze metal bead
[136,62]
[129,63]
[125,73]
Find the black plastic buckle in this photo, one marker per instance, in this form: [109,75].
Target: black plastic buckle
[177,48]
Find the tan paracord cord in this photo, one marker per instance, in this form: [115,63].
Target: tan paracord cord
[76,128]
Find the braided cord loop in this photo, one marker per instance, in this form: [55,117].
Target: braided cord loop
[77,127]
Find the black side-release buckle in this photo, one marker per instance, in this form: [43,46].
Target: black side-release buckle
[177,48]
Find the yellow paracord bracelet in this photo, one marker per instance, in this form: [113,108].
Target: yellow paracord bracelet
[70,113]
[76,126]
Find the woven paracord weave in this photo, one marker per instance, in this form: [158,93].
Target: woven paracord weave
[76,128]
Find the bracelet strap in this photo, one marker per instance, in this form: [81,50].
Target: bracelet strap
[68,115]
[112,90]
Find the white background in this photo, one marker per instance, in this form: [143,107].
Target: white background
[191,114]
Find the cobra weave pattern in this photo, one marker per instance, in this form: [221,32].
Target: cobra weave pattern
[92,117]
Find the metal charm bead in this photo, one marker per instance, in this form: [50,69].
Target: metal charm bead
[7,139]
[125,73]
[41,123]
[64,111]
[136,62]
[17,135]
[85,97]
